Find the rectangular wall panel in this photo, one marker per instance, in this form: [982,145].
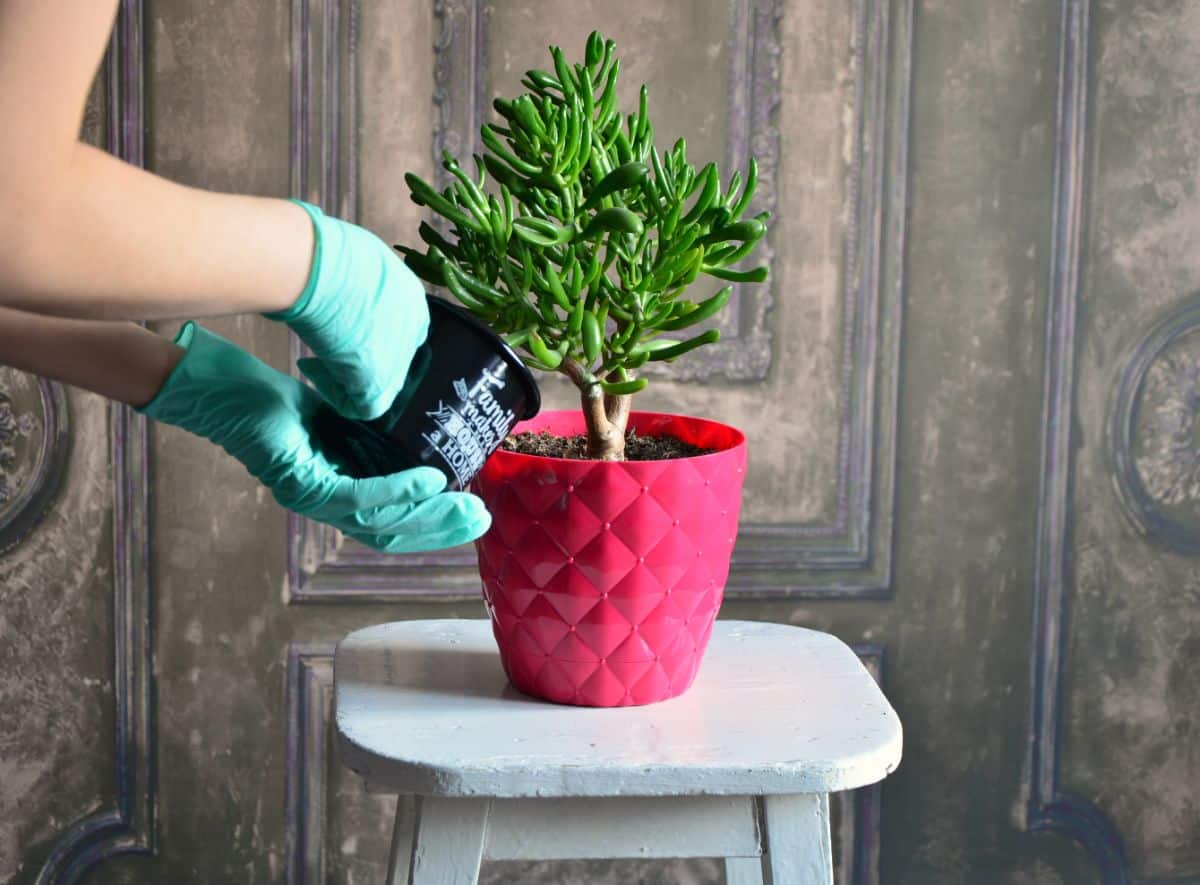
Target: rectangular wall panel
[845,552]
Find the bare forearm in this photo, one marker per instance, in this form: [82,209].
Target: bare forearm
[121,361]
[109,241]
[83,234]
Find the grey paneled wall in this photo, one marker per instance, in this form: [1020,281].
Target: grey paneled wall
[1132,673]
[818,498]
[76,737]
[971,392]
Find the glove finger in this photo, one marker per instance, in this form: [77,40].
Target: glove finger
[406,543]
[444,512]
[402,488]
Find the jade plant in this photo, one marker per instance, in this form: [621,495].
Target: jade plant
[580,249]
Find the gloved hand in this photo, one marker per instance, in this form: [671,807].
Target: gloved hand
[262,417]
[363,313]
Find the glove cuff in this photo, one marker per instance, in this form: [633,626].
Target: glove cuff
[234,399]
[183,338]
[211,386]
[286,316]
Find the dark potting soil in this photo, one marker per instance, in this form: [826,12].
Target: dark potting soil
[637,448]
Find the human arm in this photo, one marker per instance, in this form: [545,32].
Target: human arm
[260,416]
[121,361]
[86,235]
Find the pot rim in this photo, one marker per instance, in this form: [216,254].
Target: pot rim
[739,443]
[534,399]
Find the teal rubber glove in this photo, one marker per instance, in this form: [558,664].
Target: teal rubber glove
[363,314]
[261,417]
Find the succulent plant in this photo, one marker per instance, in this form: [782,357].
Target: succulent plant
[581,249]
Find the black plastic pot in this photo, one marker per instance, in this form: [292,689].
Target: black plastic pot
[466,389]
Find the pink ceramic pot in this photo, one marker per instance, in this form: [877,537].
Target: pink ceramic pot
[603,578]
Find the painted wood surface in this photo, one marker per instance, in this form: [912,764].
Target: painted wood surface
[447,841]
[424,707]
[798,840]
[639,826]
[744,871]
[403,833]
[797,843]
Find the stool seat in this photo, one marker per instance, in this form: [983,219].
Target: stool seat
[423,708]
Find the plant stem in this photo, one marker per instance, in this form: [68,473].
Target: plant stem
[617,408]
[606,417]
[581,377]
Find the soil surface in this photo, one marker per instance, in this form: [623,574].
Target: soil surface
[637,448]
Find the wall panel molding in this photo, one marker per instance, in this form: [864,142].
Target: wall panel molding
[310,712]
[850,556]
[309,717]
[34,445]
[460,98]
[128,825]
[859,810]
[325,121]
[1050,808]
[752,109]
[323,163]
[1154,422]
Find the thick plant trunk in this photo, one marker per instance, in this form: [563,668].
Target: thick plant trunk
[606,417]
[604,414]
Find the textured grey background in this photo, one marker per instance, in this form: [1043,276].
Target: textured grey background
[997,484]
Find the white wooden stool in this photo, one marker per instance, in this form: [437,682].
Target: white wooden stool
[739,767]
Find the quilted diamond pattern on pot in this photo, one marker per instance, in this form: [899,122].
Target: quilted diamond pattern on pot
[637,595]
[603,579]
[571,594]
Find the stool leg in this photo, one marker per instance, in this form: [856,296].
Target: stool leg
[798,850]
[743,871]
[448,841]
[402,841]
